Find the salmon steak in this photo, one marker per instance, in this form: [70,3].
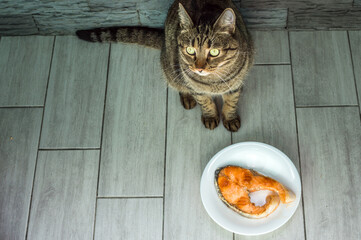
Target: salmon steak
[234,185]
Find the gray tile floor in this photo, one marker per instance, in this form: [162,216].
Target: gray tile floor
[94,146]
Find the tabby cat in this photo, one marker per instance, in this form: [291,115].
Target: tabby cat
[206,51]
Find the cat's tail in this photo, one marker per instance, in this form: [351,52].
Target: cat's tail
[150,37]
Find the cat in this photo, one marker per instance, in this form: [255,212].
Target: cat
[206,50]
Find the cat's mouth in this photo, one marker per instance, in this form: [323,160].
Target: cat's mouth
[203,73]
[200,72]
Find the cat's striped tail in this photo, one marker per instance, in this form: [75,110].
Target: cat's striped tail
[150,37]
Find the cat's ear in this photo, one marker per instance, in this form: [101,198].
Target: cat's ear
[226,22]
[185,19]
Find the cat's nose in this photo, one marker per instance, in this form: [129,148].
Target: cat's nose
[200,70]
[200,64]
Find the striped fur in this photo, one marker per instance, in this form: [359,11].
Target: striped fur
[203,25]
[150,37]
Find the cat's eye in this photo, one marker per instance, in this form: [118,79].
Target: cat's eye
[191,50]
[214,52]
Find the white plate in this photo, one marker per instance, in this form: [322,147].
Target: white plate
[264,159]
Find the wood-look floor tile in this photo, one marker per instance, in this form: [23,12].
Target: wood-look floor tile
[63,203]
[355,41]
[330,140]
[271,47]
[75,99]
[134,124]
[322,68]
[189,148]
[19,139]
[129,219]
[24,70]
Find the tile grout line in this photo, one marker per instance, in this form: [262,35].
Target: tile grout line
[101,140]
[271,64]
[165,158]
[298,142]
[41,128]
[131,197]
[327,106]
[233,234]
[67,149]
[22,106]
[353,71]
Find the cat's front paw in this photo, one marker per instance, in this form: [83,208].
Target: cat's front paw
[187,101]
[210,122]
[232,124]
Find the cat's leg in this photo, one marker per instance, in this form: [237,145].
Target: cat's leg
[231,119]
[210,117]
[187,100]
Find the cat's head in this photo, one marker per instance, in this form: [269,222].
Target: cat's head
[208,48]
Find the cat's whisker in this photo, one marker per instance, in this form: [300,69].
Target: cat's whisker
[183,75]
[171,67]
[187,71]
[224,81]
[176,71]
[224,73]
[179,76]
